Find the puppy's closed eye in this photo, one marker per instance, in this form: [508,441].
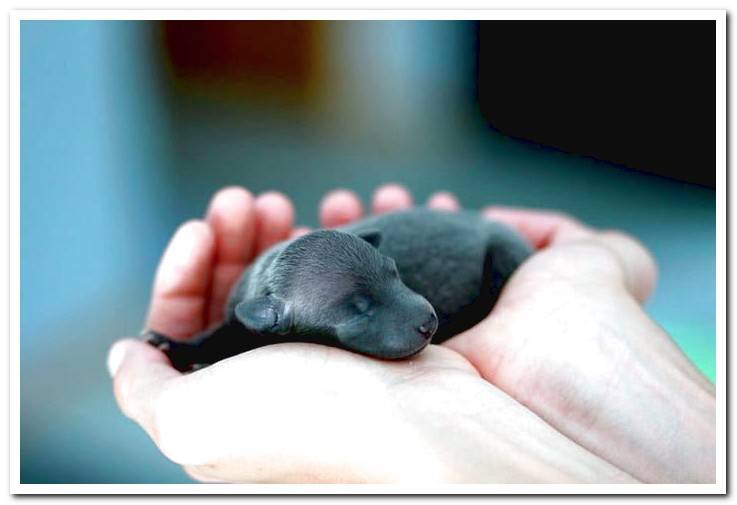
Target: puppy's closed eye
[361,304]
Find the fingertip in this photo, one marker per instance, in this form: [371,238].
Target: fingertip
[391,197]
[231,216]
[188,253]
[339,207]
[444,200]
[275,204]
[230,198]
[191,235]
[275,214]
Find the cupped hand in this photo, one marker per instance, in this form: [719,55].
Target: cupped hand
[309,413]
[570,340]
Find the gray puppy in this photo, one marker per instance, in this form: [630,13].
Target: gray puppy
[383,287]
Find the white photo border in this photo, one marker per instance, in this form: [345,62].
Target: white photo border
[13,261]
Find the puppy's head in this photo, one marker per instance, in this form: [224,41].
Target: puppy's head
[339,285]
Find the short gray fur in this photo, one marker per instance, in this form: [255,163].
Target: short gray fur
[382,286]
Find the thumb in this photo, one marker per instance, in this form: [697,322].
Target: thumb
[139,373]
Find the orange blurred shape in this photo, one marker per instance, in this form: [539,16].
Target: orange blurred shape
[279,55]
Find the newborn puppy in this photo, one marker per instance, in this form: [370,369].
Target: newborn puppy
[381,287]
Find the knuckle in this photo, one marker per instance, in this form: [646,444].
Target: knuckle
[584,266]
[638,265]
[619,236]
[630,246]
[592,256]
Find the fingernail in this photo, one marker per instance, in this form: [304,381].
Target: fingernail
[115,358]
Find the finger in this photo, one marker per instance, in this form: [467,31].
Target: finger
[340,207]
[232,217]
[139,373]
[299,231]
[444,201]
[391,197]
[541,228]
[638,267]
[178,302]
[275,217]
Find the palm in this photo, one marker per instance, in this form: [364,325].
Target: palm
[338,410]
[541,335]
[349,418]
[569,340]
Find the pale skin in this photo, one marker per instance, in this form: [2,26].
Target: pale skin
[568,380]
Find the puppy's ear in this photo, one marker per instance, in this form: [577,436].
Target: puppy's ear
[266,314]
[372,236]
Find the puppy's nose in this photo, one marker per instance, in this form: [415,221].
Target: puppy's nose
[428,328]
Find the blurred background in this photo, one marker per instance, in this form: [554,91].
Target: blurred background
[127,128]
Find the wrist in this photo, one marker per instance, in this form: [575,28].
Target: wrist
[472,432]
[652,414]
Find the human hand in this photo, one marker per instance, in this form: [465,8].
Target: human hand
[569,339]
[309,413]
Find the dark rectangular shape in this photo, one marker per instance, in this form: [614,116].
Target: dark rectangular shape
[635,93]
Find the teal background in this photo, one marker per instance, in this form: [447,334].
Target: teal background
[113,158]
